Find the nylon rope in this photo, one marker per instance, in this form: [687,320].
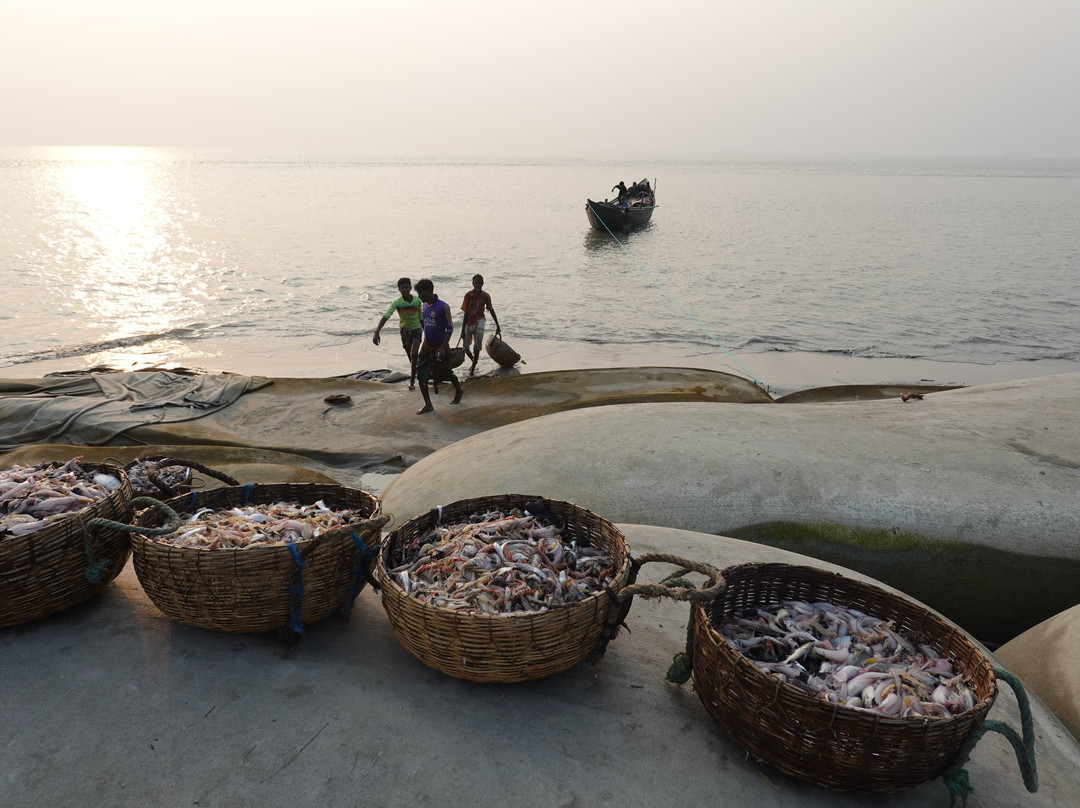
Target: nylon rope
[678,305]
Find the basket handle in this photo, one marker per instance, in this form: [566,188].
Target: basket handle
[164,462]
[668,589]
[95,567]
[956,776]
[682,663]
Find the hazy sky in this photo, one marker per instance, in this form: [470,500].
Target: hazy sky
[556,78]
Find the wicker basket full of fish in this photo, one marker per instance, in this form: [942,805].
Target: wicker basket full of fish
[54,551]
[256,558]
[835,681]
[503,588]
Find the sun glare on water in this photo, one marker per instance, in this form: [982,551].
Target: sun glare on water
[124,228]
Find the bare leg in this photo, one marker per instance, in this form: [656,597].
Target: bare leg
[427,361]
[457,387]
[412,364]
[427,400]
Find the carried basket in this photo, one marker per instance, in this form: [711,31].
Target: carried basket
[67,561]
[504,647]
[502,353]
[830,745]
[261,589]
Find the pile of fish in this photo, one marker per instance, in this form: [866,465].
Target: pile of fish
[501,563]
[847,657]
[32,497]
[253,526]
[139,476]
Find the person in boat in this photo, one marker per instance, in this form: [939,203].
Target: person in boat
[472,326]
[433,358]
[621,188]
[407,305]
[640,188]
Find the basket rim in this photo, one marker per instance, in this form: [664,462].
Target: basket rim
[117,499]
[269,489]
[390,583]
[702,617]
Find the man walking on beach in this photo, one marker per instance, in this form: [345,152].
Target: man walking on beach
[472,327]
[433,358]
[408,308]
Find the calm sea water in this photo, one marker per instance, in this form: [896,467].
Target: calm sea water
[211,260]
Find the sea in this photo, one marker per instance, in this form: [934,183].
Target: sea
[282,264]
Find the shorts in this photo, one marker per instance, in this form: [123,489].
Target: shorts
[427,367]
[475,334]
[410,335]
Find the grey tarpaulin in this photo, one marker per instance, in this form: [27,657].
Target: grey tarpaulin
[92,409]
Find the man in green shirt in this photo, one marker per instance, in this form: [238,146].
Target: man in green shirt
[408,308]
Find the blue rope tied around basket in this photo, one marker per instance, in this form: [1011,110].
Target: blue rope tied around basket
[359,574]
[97,567]
[297,592]
[248,490]
[956,777]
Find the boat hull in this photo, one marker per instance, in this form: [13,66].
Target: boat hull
[605,217]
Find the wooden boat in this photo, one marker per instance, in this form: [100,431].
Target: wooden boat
[631,210]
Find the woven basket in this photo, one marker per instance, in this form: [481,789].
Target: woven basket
[46,572]
[502,353]
[511,647]
[457,357]
[830,745]
[161,490]
[252,590]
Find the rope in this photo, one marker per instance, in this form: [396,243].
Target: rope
[679,305]
[153,473]
[674,586]
[616,617]
[685,592]
[296,627]
[361,572]
[956,778]
[97,567]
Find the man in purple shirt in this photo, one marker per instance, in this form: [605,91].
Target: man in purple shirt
[433,358]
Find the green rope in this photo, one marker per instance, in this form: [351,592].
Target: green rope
[682,308]
[682,664]
[97,567]
[956,778]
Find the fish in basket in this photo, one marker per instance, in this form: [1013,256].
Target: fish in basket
[255,558]
[55,550]
[504,588]
[835,681]
[165,477]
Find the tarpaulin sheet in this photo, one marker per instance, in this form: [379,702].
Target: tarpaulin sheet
[92,409]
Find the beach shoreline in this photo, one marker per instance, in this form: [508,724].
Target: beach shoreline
[779,373]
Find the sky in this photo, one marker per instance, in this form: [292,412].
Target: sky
[678,79]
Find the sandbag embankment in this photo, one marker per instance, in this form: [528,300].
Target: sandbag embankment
[1047,658]
[996,465]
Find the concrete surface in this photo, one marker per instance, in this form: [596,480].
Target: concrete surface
[110,703]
